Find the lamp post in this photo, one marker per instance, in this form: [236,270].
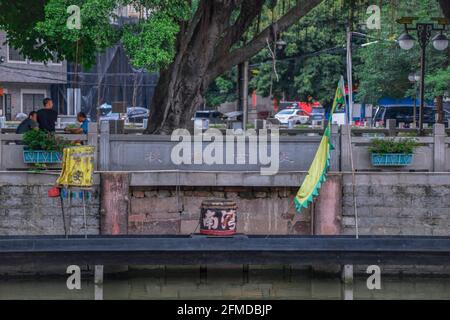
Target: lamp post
[414,78]
[424,31]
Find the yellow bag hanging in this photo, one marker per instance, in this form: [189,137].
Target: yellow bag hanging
[77,167]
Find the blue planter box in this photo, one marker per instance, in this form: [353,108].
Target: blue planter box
[391,159]
[40,156]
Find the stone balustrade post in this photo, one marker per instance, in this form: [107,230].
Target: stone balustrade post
[104,146]
[439,147]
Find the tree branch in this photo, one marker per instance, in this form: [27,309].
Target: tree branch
[249,11]
[445,6]
[227,61]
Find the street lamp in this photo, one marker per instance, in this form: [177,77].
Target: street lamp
[414,78]
[406,42]
[440,42]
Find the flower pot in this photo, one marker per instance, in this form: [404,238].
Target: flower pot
[41,156]
[391,159]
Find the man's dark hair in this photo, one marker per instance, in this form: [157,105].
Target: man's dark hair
[32,113]
[82,114]
[45,101]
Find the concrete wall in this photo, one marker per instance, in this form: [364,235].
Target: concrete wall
[295,152]
[397,204]
[387,204]
[154,153]
[25,208]
[28,71]
[164,210]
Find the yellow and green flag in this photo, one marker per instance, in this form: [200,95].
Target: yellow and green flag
[317,171]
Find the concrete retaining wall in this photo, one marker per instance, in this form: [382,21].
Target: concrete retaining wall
[170,211]
[26,209]
[397,204]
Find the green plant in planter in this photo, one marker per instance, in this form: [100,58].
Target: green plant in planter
[42,140]
[388,146]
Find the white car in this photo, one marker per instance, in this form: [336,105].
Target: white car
[297,115]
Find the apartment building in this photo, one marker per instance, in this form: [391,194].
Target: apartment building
[25,83]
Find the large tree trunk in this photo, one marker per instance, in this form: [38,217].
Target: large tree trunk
[204,51]
[445,6]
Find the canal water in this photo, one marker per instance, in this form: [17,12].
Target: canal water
[223,284]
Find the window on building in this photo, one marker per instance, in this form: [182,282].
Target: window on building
[73,101]
[15,56]
[31,102]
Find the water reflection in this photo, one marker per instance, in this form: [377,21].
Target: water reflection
[190,283]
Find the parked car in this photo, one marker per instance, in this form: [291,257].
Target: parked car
[297,115]
[402,113]
[137,114]
[213,116]
[318,114]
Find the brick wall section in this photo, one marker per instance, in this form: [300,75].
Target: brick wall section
[260,210]
[27,210]
[398,204]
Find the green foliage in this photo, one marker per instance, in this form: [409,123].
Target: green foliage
[408,134]
[41,30]
[53,36]
[42,140]
[438,83]
[314,58]
[148,50]
[391,145]
[304,68]
[305,73]
[383,67]
[223,89]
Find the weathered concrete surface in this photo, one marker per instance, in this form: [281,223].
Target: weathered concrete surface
[398,204]
[154,153]
[170,211]
[26,209]
[328,207]
[216,179]
[114,203]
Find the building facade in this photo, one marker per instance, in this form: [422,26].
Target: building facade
[25,83]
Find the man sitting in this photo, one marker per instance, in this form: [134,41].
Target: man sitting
[28,124]
[84,126]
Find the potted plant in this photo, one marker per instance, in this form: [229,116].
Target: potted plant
[392,152]
[43,147]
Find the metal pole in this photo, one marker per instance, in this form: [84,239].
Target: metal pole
[422,88]
[415,104]
[349,75]
[240,89]
[245,96]
[423,37]
[62,212]
[84,214]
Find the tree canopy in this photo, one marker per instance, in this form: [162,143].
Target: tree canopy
[194,45]
[315,56]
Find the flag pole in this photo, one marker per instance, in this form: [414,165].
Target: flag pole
[348,124]
[349,75]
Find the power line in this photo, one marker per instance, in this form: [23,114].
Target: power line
[80,73]
[67,81]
